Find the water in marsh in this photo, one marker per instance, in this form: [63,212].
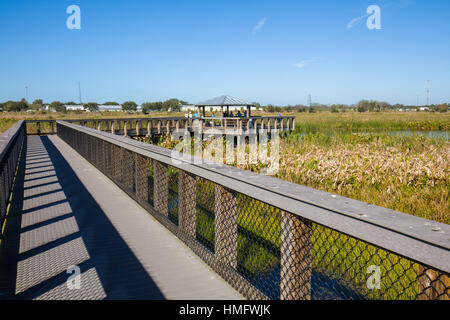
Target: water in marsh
[399,133]
[429,134]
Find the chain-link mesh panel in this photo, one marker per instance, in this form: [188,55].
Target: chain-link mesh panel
[262,251]
[205,212]
[8,164]
[173,195]
[151,184]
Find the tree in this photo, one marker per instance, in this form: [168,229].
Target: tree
[442,108]
[129,106]
[37,104]
[91,106]
[111,103]
[70,103]
[148,106]
[171,104]
[362,106]
[57,106]
[15,106]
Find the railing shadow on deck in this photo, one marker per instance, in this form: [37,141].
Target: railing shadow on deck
[108,254]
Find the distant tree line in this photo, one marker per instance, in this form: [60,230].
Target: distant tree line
[361,106]
[174,105]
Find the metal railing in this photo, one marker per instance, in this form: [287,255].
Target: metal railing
[272,239]
[11,142]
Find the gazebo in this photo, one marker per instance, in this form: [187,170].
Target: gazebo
[223,101]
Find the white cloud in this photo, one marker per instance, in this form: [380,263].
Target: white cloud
[259,25]
[304,63]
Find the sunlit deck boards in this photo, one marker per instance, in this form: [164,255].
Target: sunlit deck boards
[60,218]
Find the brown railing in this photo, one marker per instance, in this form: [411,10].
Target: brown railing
[163,125]
[271,239]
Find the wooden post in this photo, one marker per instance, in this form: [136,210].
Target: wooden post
[293,123]
[159,126]
[99,125]
[138,128]
[432,284]
[141,172]
[177,125]
[113,131]
[296,244]
[52,125]
[288,124]
[38,128]
[187,216]
[149,128]
[161,187]
[225,226]
[125,128]
[168,127]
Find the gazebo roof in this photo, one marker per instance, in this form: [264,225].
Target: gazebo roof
[224,101]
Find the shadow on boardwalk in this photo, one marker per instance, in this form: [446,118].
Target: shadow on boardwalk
[55,223]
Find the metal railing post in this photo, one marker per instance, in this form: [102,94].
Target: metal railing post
[161,187]
[187,186]
[141,174]
[226,226]
[296,245]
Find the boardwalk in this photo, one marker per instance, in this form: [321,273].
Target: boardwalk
[138,225]
[65,212]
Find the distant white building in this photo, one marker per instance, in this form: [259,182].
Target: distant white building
[75,107]
[109,108]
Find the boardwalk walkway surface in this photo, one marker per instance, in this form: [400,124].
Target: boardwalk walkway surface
[65,212]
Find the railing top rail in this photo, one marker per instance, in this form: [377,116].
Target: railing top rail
[423,240]
[251,117]
[108,119]
[8,136]
[156,118]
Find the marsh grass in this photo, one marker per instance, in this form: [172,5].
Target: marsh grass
[408,174]
[348,122]
[5,124]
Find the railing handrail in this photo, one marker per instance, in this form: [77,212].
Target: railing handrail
[7,137]
[155,118]
[413,237]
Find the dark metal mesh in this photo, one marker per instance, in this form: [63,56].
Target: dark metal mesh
[173,195]
[262,251]
[205,211]
[10,148]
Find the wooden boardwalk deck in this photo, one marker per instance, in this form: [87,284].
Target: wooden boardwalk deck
[65,212]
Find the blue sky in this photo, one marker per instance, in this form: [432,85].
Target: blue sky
[274,52]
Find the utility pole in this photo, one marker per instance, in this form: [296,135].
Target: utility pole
[26,93]
[79,92]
